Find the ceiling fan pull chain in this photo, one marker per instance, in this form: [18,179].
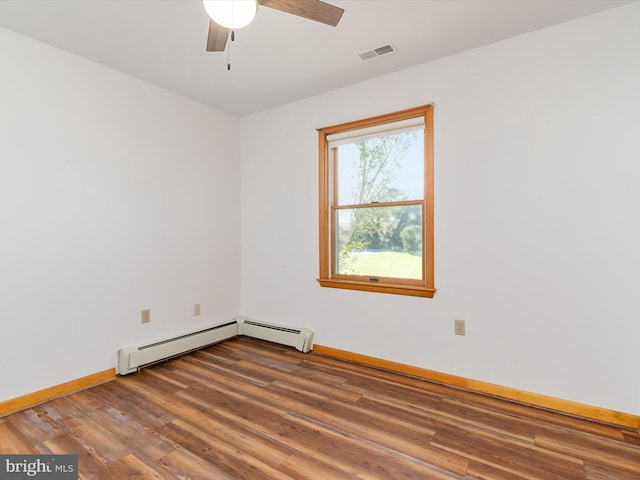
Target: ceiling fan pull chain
[232,35]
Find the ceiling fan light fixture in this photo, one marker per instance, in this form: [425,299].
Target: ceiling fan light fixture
[231,14]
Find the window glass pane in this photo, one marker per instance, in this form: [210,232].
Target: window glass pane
[383,169]
[379,241]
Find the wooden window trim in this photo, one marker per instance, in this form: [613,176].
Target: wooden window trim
[419,288]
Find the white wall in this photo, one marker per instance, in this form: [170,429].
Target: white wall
[114,196]
[537,224]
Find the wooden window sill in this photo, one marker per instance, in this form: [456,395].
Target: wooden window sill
[411,290]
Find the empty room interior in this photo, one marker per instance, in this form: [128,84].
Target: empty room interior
[195,284]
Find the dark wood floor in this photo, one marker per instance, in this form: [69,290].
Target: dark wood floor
[246,409]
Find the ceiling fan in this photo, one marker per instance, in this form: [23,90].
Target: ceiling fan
[239,13]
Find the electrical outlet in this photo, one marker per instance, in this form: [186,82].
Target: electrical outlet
[459,327]
[196,309]
[145,315]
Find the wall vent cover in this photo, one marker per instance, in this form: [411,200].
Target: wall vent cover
[376,52]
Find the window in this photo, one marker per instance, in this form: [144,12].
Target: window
[376,204]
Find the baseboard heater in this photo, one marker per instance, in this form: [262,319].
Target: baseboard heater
[131,359]
[299,338]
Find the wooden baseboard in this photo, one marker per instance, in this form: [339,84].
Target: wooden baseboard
[534,399]
[35,398]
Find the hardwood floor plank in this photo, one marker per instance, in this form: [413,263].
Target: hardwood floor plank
[304,466]
[131,434]
[365,426]
[632,437]
[97,439]
[131,467]
[32,426]
[502,454]
[133,406]
[13,441]
[599,472]
[276,403]
[186,465]
[439,415]
[352,417]
[250,409]
[360,454]
[58,411]
[90,467]
[497,404]
[300,377]
[479,471]
[232,462]
[233,371]
[593,450]
[220,426]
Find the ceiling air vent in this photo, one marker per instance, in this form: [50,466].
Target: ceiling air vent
[376,52]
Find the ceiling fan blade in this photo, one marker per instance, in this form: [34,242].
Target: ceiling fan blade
[311,9]
[217,39]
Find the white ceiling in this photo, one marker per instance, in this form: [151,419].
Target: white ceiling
[278,58]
